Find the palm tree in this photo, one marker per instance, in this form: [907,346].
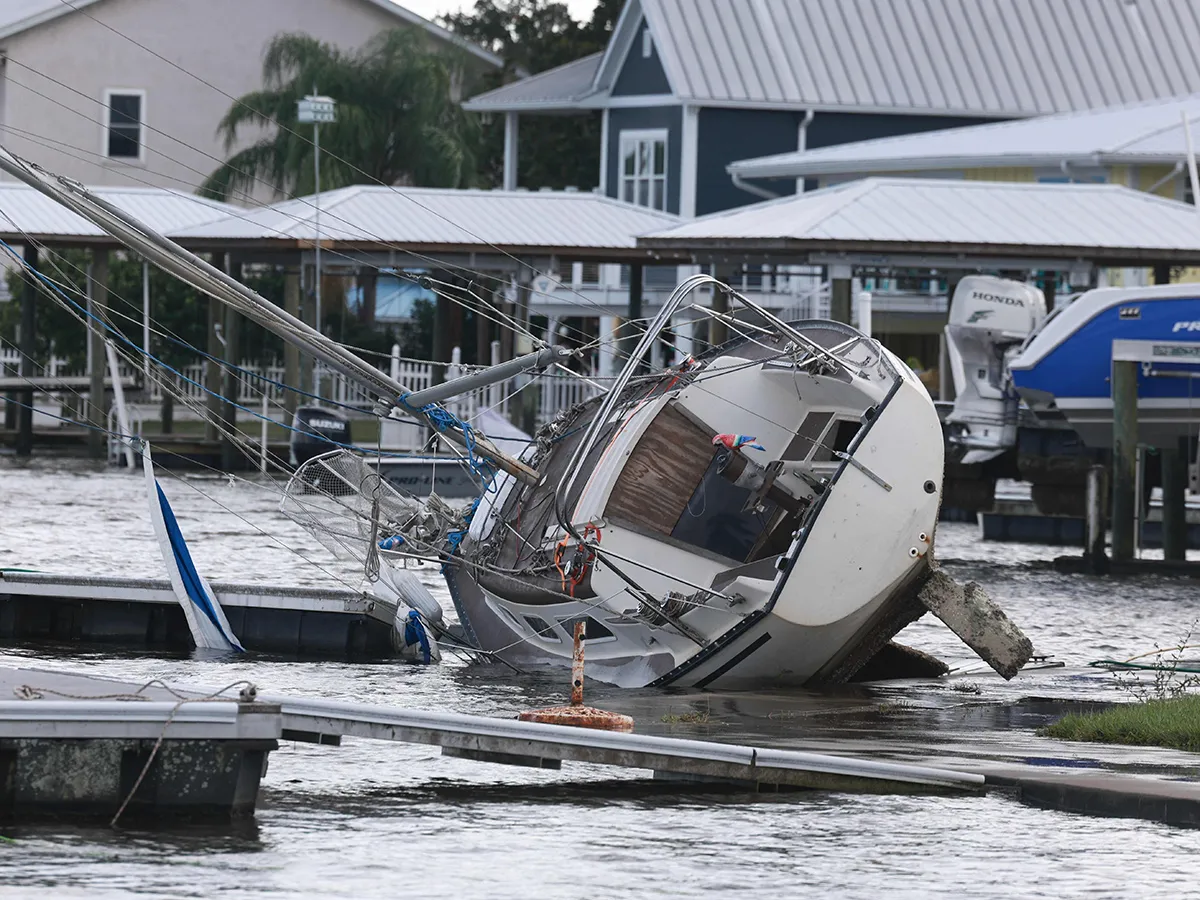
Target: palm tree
[398,121]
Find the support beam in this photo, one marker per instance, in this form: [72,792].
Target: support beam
[442,343]
[291,355]
[29,292]
[97,406]
[511,126]
[839,300]
[634,327]
[212,369]
[230,454]
[1162,274]
[1049,287]
[368,280]
[1124,463]
[1174,501]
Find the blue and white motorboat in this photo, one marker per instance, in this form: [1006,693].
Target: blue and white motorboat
[1064,370]
[1005,353]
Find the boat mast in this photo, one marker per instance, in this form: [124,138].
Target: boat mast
[190,268]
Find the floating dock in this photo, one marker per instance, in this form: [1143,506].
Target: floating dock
[78,746]
[1015,517]
[144,613]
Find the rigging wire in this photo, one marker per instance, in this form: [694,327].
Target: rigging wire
[249,198]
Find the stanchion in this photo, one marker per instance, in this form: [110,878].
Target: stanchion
[577,714]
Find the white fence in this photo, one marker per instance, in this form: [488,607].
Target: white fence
[554,392]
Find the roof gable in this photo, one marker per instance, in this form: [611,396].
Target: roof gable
[17,16]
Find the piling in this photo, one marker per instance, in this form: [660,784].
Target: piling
[98,302]
[1125,434]
[1174,501]
[577,714]
[29,291]
[291,354]
[230,382]
[839,300]
[1094,533]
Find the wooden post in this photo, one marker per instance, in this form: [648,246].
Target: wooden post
[1049,285]
[1125,440]
[483,335]
[441,338]
[291,355]
[718,331]
[839,300]
[97,406]
[1174,500]
[212,368]
[1093,550]
[368,280]
[29,290]
[633,327]
[231,380]
[307,316]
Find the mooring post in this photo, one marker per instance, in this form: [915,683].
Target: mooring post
[28,350]
[1094,547]
[291,353]
[577,664]
[1124,457]
[1174,501]
[839,293]
[97,411]
[212,366]
[634,326]
[231,380]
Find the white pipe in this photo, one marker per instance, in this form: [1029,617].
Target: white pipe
[802,143]
[1191,161]
[1173,173]
[754,189]
[145,322]
[864,312]
[262,444]
[119,402]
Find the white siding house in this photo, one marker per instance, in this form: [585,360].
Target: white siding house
[129,92]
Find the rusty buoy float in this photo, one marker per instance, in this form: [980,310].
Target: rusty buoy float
[577,714]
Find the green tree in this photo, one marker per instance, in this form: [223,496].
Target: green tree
[533,36]
[398,120]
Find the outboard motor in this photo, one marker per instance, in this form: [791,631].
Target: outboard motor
[990,318]
[317,430]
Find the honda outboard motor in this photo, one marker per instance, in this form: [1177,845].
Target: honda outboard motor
[317,431]
[990,318]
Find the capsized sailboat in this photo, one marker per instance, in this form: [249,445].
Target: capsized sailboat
[762,514]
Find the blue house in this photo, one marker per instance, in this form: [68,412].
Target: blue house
[687,87]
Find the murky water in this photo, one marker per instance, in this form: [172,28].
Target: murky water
[369,819]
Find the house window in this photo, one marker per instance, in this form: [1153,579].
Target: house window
[644,168]
[123,138]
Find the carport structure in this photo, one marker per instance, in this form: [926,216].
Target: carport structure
[943,229]
[510,251]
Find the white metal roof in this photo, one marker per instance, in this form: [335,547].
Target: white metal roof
[1090,221]
[1142,133]
[21,15]
[552,89]
[444,217]
[1001,58]
[25,211]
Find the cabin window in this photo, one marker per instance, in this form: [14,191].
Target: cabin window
[542,628]
[647,43]
[644,168]
[123,135]
[594,630]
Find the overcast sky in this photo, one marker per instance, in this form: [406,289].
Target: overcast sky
[580,9]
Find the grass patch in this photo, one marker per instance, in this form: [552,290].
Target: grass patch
[688,718]
[1171,722]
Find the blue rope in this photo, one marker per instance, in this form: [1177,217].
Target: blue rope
[414,633]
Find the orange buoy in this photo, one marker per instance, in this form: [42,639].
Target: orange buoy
[577,714]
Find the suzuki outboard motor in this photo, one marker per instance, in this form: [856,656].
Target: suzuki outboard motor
[990,318]
[317,431]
